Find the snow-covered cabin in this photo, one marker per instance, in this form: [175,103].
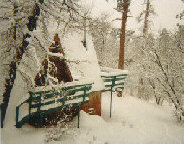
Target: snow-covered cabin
[81,61]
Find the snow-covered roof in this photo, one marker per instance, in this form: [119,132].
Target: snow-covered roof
[82,61]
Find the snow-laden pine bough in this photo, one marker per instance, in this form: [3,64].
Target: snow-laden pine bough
[114,80]
[38,104]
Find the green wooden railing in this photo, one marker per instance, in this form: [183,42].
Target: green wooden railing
[114,83]
[43,102]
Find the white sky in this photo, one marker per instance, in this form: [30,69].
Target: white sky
[166,12]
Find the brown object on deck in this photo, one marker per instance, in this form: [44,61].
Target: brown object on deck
[119,94]
[94,105]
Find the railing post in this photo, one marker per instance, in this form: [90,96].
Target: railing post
[111,103]
[63,93]
[78,116]
[84,93]
[39,110]
[41,119]
[30,103]
[113,83]
[17,116]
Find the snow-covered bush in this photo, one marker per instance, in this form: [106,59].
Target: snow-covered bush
[157,64]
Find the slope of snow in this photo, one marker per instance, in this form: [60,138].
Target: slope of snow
[22,136]
[133,122]
[19,91]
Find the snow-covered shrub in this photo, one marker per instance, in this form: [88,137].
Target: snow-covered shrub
[157,64]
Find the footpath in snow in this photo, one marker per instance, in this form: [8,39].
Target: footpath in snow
[133,122]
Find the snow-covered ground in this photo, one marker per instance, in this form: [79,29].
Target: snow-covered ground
[133,122]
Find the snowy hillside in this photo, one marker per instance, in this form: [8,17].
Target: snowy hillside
[133,122]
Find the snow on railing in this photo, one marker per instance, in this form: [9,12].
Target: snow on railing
[49,99]
[59,86]
[106,71]
[114,80]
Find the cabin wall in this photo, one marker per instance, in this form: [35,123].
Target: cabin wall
[94,105]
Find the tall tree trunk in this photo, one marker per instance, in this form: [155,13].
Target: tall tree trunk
[126,4]
[19,53]
[146,21]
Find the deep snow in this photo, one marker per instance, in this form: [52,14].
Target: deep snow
[133,122]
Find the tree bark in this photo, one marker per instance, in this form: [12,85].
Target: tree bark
[146,21]
[122,37]
[125,6]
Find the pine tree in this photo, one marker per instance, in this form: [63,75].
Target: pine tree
[124,6]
